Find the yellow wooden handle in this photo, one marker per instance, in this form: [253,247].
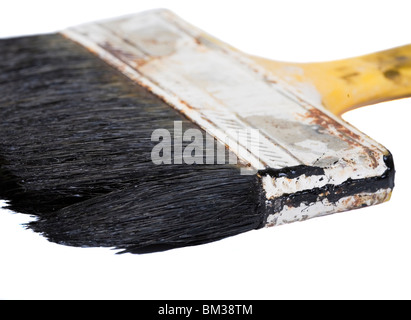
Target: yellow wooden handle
[351,83]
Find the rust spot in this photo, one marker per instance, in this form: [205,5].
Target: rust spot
[360,201]
[324,194]
[317,117]
[186,104]
[139,62]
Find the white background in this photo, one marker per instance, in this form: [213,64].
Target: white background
[362,254]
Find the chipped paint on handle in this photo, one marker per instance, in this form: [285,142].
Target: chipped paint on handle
[225,91]
[349,83]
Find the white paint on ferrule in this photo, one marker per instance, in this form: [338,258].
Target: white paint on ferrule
[276,187]
[325,207]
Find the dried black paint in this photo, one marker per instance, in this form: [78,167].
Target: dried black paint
[293,172]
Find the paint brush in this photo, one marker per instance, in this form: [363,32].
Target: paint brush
[144,133]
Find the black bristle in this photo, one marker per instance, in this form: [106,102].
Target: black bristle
[75,150]
[191,207]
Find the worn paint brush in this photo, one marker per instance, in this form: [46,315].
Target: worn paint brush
[144,133]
